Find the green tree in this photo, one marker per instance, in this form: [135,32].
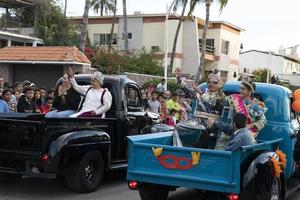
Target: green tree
[260,75]
[184,4]
[208,3]
[104,6]
[52,26]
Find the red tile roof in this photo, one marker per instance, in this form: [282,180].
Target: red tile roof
[43,54]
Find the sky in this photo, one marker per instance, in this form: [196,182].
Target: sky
[268,24]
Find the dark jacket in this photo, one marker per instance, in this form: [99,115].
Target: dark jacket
[71,101]
[25,106]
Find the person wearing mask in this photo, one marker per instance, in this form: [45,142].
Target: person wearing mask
[66,100]
[97,101]
[26,103]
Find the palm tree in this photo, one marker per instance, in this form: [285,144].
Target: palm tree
[65,10]
[85,20]
[223,3]
[125,32]
[105,6]
[184,4]
[112,25]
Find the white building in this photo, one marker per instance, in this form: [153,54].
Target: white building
[223,40]
[277,63]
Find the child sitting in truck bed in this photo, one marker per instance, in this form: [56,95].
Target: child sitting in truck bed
[242,136]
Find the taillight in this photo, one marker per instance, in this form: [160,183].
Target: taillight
[233,197]
[45,157]
[133,185]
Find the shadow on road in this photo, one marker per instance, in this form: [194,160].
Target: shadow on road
[39,188]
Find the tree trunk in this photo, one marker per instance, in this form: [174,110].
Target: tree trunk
[65,11]
[176,35]
[101,9]
[201,68]
[125,33]
[85,20]
[112,27]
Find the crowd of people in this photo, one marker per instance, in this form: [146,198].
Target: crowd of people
[25,97]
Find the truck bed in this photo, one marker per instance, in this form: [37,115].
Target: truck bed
[216,170]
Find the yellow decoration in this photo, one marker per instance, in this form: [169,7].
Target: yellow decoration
[277,168]
[157,151]
[195,158]
[282,158]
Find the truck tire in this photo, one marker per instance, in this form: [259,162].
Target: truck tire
[153,192]
[86,175]
[7,177]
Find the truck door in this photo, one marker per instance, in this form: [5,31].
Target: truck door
[20,136]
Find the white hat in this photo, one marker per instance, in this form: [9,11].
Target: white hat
[98,76]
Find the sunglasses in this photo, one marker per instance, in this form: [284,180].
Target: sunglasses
[213,82]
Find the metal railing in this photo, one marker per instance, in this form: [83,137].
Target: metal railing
[209,49]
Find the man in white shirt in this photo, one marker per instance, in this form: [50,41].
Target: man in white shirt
[160,88]
[97,101]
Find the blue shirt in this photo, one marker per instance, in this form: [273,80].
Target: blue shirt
[4,107]
[241,137]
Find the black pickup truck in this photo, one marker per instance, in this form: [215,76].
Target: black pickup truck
[77,151]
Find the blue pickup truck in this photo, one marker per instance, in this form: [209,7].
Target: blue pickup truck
[266,170]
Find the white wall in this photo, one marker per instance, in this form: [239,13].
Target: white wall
[256,60]
[100,29]
[134,26]
[191,55]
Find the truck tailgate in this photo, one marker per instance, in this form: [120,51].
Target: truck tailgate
[152,159]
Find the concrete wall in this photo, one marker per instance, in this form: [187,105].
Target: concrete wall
[191,56]
[100,29]
[134,26]
[257,60]
[5,72]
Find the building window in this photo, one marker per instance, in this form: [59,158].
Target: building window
[225,47]
[210,45]
[155,48]
[103,39]
[129,35]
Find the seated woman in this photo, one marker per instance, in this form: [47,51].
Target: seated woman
[66,100]
[251,107]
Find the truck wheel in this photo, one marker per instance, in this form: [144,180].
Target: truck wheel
[6,177]
[153,192]
[86,175]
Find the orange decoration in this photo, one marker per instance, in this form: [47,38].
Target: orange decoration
[296,106]
[297,94]
[282,158]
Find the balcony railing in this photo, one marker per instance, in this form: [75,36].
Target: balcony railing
[209,49]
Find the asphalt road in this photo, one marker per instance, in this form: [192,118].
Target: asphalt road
[114,187]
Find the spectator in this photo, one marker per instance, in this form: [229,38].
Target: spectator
[97,99]
[26,104]
[150,88]
[154,105]
[145,101]
[171,120]
[173,104]
[149,95]
[50,93]
[132,99]
[163,110]
[7,97]
[1,84]
[160,88]
[167,95]
[37,100]
[18,90]
[66,100]
[48,106]
[4,107]
[242,136]
[26,83]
